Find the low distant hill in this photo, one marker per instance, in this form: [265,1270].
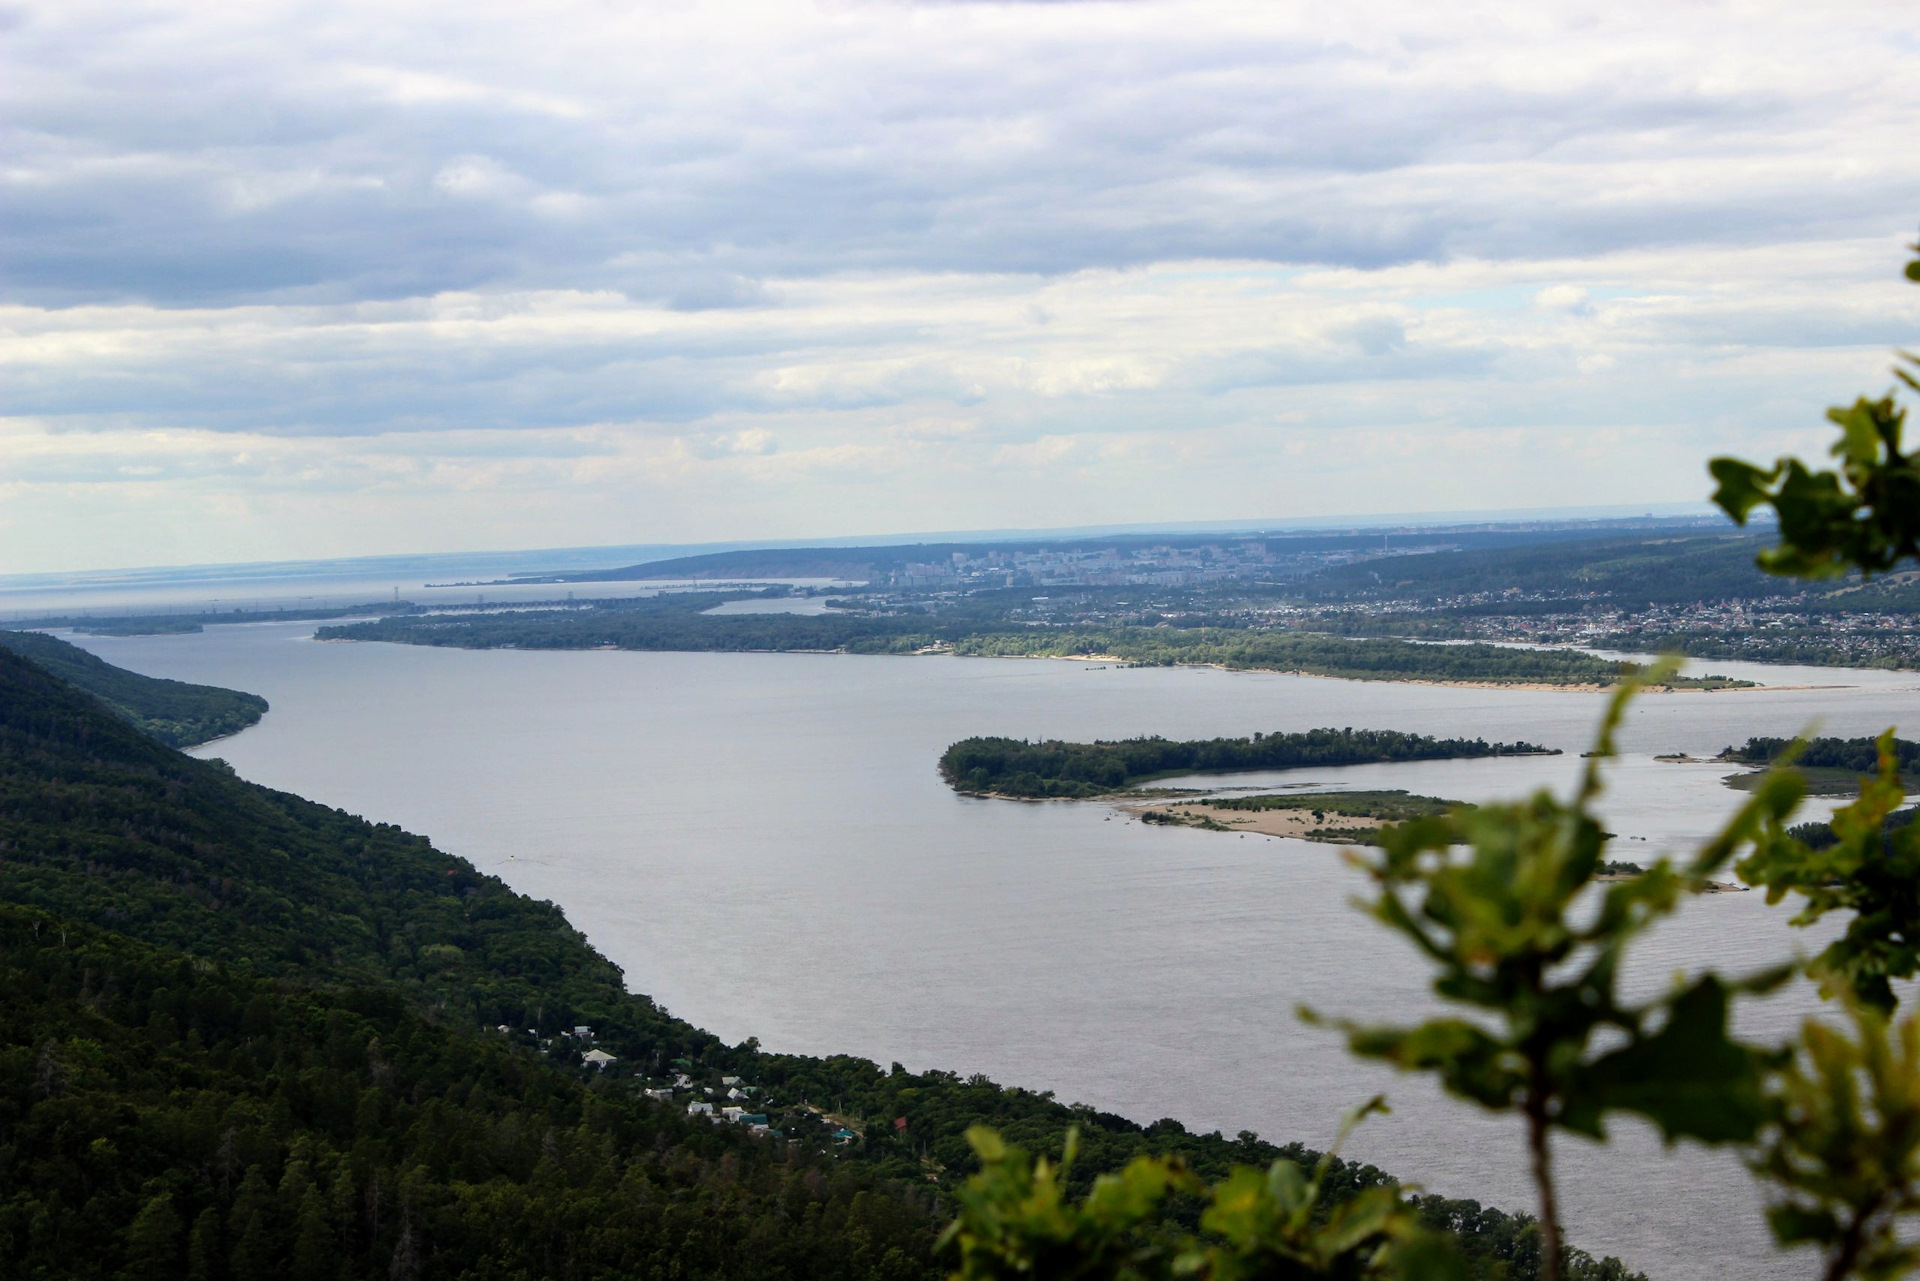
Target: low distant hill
[1494,546]
[788,562]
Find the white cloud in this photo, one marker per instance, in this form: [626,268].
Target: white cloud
[872,265]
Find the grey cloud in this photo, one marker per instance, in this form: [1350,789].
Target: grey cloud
[1083,152]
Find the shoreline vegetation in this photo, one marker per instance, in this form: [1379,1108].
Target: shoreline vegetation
[678,622]
[1051,769]
[1828,766]
[187,622]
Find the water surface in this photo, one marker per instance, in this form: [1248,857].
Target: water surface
[761,840]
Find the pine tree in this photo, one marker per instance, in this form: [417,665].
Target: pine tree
[251,1228]
[312,1239]
[153,1241]
[203,1247]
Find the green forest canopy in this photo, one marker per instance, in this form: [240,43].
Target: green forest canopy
[1859,754]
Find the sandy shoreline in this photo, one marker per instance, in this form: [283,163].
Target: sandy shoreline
[1299,824]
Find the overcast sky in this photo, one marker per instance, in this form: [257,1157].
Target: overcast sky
[309,279]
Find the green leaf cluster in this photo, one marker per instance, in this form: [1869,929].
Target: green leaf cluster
[1844,1147]
[1870,868]
[1018,1220]
[1864,514]
[1491,896]
[1496,898]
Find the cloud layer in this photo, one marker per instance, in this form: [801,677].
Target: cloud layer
[292,279]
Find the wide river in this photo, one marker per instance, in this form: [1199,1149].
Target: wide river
[762,842]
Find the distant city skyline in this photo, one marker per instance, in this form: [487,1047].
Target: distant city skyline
[492,276]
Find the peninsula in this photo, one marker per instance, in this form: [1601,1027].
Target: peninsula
[991,627]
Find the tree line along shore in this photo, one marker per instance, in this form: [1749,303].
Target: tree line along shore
[678,621]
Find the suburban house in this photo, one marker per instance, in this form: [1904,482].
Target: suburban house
[598,1058]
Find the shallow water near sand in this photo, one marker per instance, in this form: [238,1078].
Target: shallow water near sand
[762,842]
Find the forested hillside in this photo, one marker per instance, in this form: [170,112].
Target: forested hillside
[247,1036]
[175,712]
[164,1117]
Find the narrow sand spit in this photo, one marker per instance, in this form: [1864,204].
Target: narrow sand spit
[1300,824]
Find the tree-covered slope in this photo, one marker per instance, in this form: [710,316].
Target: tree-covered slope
[161,1117]
[104,825]
[175,712]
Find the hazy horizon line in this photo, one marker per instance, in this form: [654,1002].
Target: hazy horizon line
[642,553]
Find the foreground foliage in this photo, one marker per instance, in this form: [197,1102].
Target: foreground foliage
[1017,1220]
[1490,896]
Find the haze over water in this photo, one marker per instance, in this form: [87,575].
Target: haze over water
[761,840]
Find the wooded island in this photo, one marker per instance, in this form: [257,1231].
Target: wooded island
[1053,769]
